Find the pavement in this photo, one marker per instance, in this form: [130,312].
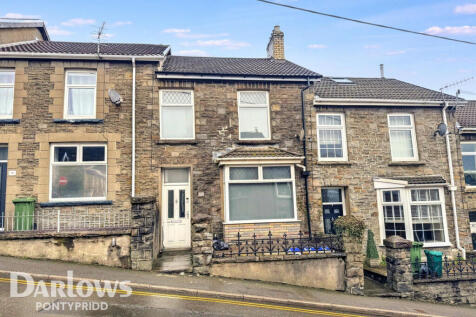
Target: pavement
[237,296]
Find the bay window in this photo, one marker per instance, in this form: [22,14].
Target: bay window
[177,118]
[403,143]
[78,172]
[331,138]
[468,150]
[80,95]
[260,193]
[7,84]
[416,214]
[253,115]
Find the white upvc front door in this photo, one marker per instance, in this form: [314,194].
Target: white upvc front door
[176,216]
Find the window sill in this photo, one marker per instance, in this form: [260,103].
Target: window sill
[345,163]
[407,163]
[252,142]
[9,121]
[177,142]
[470,189]
[429,246]
[79,121]
[244,222]
[76,203]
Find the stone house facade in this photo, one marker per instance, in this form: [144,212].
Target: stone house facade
[219,144]
[375,154]
[466,117]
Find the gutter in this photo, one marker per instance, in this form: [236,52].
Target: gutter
[452,186]
[149,58]
[379,102]
[162,75]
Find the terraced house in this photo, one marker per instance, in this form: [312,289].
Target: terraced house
[130,152]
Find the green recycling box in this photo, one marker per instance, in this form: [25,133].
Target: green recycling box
[24,211]
[434,260]
[415,256]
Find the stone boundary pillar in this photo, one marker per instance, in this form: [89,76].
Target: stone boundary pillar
[202,243]
[354,265]
[144,233]
[399,268]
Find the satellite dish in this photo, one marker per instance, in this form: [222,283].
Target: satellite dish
[115,97]
[441,130]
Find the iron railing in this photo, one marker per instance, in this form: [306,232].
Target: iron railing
[65,220]
[280,245]
[447,268]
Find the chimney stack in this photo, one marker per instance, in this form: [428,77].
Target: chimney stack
[275,46]
[381,71]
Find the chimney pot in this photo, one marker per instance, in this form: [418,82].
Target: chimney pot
[382,75]
[275,48]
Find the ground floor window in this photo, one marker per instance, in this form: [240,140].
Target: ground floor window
[78,172]
[415,214]
[260,193]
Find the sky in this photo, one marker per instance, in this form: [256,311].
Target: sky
[241,28]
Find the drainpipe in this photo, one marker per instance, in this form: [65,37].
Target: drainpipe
[305,172]
[133,190]
[452,183]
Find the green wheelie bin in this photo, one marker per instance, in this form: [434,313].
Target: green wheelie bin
[435,263]
[24,213]
[415,256]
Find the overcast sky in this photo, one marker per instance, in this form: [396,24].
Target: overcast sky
[241,28]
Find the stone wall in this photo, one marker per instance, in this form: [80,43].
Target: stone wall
[278,229]
[369,156]
[144,233]
[354,264]
[38,110]
[110,248]
[449,290]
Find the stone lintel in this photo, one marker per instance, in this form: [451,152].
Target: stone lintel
[143,200]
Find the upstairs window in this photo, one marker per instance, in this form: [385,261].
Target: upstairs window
[253,115]
[78,172]
[7,84]
[177,118]
[403,143]
[80,95]
[469,163]
[331,138]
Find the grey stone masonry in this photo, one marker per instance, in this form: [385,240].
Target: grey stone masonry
[354,265]
[399,271]
[144,233]
[202,243]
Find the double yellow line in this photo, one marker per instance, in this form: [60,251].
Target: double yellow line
[194,298]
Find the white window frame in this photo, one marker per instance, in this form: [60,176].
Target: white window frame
[12,85]
[467,153]
[406,128]
[161,92]
[79,161]
[66,93]
[405,197]
[260,180]
[340,127]
[254,106]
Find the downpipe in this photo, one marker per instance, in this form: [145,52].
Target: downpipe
[133,172]
[452,187]
[305,172]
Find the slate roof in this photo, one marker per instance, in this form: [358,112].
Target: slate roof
[55,47]
[263,67]
[421,180]
[466,115]
[261,152]
[376,88]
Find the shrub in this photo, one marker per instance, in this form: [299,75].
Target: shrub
[372,252]
[350,225]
